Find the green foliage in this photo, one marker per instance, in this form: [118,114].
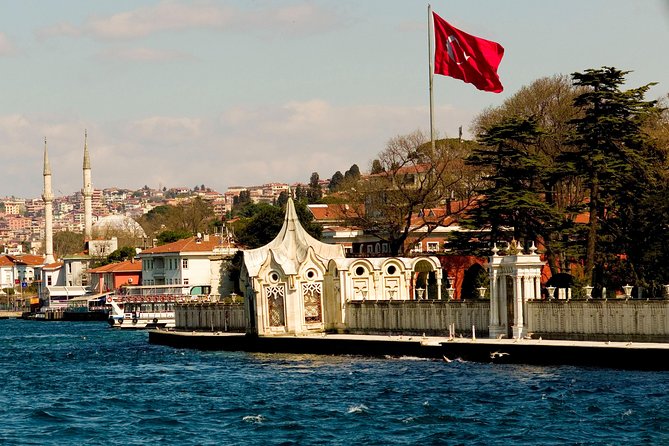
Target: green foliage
[336,181]
[613,157]
[170,236]
[264,223]
[121,254]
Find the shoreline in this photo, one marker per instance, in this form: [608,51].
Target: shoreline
[616,355]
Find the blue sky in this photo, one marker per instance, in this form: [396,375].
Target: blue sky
[246,92]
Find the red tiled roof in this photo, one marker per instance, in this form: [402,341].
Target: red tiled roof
[125,266]
[29,259]
[334,211]
[186,245]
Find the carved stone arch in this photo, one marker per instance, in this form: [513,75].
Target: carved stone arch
[426,279]
[362,277]
[393,274]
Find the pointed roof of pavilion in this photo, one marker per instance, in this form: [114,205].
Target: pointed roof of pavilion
[290,247]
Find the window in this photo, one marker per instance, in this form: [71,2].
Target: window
[417,248]
[184,264]
[48,280]
[185,281]
[432,246]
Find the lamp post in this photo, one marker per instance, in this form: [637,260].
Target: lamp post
[588,292]
[628,291]
[551,292]
[482,291]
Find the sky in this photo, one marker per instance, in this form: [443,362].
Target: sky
[228,93]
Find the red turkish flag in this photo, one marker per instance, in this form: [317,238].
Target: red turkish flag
[466,57]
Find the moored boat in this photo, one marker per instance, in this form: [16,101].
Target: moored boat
[151,306]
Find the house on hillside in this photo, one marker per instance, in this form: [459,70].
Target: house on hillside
[198,260]
[113,276]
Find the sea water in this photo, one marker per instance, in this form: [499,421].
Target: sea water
[85,383]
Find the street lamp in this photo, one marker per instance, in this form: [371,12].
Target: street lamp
[482,291]
[628,291]
[420,293]
[551,292]
[588,292]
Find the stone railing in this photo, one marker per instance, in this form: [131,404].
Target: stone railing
[596,319]
[210,316]
[432,317]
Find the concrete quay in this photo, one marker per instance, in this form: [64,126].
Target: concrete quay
[10,314]
[617,355]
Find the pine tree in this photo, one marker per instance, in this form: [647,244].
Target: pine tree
[608,151]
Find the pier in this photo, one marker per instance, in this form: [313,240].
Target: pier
[617,355]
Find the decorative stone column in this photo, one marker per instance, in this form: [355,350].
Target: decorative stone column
[525,271]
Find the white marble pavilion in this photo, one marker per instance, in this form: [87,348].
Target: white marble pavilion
[296,284]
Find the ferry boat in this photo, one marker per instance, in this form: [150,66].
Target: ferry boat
[151,306]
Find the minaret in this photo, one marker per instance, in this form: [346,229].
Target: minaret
[87,192]
[47,196]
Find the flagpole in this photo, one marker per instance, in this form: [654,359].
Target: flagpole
[431,68]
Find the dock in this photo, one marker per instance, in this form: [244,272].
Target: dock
[10,314]
[617,355]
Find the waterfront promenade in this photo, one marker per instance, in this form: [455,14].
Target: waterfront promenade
[618,355]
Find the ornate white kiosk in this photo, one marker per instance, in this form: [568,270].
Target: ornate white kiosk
[515,278]
[297,285]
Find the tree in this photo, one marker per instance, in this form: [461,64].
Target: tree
[609,147]
[282,199]
[261,227]
[121,254]
[514,196]
[336,181]
[411,193]
[314,193]
[67,243]
[352,174]
[549,103]
[376,167]
[171,236]
[195,215]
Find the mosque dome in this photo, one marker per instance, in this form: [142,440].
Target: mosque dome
[118,223]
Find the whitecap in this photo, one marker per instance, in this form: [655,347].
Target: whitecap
[359,408]
[255,419]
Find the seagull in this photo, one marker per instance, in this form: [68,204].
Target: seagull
[494,355]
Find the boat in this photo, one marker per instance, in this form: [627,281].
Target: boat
[151,306]
[87,308]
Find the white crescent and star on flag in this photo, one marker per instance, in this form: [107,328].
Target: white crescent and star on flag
[455,51]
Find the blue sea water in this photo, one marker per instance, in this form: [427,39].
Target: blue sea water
[84,383]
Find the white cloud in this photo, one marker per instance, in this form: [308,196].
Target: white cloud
[166,15]
[142,54]
[297,18]
[242,146]
[6,47]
